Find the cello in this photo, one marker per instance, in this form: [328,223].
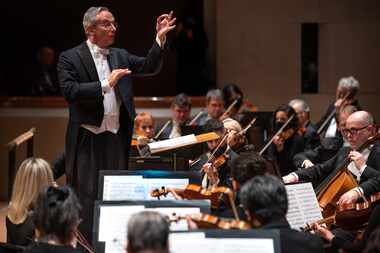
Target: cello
[330,190]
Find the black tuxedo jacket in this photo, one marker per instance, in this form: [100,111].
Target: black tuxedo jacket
[81,87]
[369,180]
[293,241]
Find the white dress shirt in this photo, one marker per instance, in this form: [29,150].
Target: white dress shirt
[111,103]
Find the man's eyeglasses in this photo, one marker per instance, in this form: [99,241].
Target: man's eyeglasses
[107,24]
[353,131]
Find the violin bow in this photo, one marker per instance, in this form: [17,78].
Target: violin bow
[330,116]
[162,129]
[248,126]
[230,107]
[192,122]
[277,133]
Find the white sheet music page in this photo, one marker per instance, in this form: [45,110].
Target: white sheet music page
[242,245]
[171,212]
[197,242]
[113,221]
[124,187]
[303,205]
[188,242]
[157,183]
[172,143]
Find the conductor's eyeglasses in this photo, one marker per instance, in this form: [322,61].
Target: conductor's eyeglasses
[107,24]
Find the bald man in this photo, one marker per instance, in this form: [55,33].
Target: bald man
[364,166]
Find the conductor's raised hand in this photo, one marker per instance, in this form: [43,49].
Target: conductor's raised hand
[164,24]
[115,76]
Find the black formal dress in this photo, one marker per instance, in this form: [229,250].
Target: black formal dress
[86,152]
[293,241]
[20,234]
[284,159]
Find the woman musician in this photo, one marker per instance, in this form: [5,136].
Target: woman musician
[286,144]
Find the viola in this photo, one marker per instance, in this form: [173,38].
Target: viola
[207,221]
[193,191]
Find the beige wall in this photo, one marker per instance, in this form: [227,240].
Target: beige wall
[258,47]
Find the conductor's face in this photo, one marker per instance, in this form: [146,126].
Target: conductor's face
[105,29]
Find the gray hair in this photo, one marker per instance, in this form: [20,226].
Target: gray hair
[214,94]
[148,231]
[349,83]
[303,105]
[89,17]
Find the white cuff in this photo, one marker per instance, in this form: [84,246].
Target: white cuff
[105,86]
[159,42]
[361,170]
[295,175]
[359,190]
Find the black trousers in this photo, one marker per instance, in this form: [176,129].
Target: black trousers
[95,152]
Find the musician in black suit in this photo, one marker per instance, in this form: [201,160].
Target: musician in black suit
[305,127]
[180,109]
[364,166]
[265,200]
[327,128]
[323,152]
[96,82]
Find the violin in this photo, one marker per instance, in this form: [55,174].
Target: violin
[193,191]
[207,221]
[216,195]
[288,134]
[350,216]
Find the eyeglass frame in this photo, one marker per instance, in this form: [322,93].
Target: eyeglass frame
[107,24]
[354,131]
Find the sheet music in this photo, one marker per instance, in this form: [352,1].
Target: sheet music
[242,245]
[124,187]
[130,187]
[171,212]
[157,183]
[197,242]
[303,205]
[188,242]
[113,222]
[174,142]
